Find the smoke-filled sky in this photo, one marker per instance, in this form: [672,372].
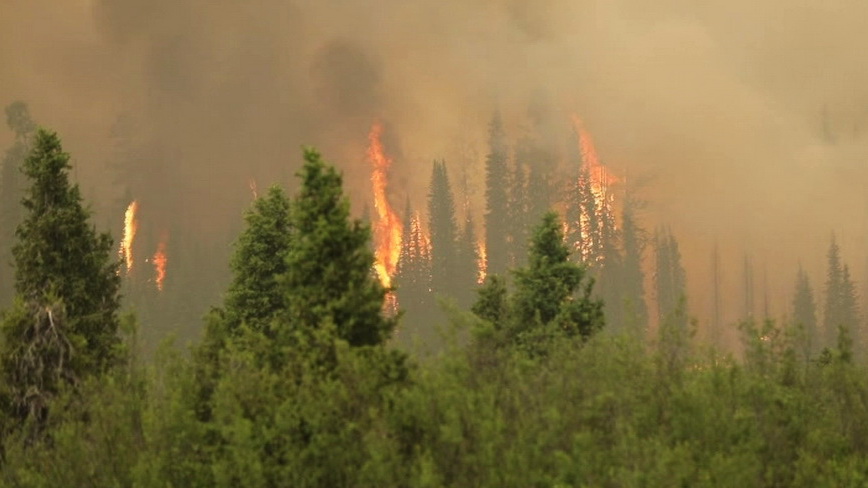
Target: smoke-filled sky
[747,120]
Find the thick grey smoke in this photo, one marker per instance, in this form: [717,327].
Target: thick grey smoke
[750,118]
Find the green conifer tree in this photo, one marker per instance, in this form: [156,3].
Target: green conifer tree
[669,280]
[64,325]
[255,296]
[443,231]
[805,310]
[496,199]
[329,281]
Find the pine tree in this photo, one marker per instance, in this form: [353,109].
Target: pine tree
[669,280]
[413,274]
[255,296]
[633,278]
[64,325]
[805,310]
[496,200]
[468,263]
[517,213]
[840,308]
[329,281]
[18,119]
[443,232]
[553,290]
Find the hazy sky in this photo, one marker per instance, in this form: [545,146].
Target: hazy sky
[748,119]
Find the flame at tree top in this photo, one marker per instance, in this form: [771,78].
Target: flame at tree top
[160,262]
[130,228]
[600,176]
[481,263]
[596,220]
[388,230]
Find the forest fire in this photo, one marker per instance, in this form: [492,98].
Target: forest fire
[481,262]
[600,176]
[130,228]
[388,230]
[160,262]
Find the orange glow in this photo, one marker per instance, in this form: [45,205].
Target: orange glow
[388,229]
[601,178]
[160,262]
[130,228]
[482,261]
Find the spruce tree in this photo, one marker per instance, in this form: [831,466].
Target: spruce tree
[255,296]
[467,269]
[840,308]
[669,280]
[552,290]
[64,325]
[633,278]
[443,232]
[805,310]
[329,281]
[496,199]
[413,275]
[518,226]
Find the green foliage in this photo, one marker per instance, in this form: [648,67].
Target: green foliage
[841,307]
[443,231]
[669,277]
[329,278]
[496,198]
[64,325]
[805,311]
[255,296]
[552,296]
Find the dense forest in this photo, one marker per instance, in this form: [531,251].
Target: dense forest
[527,355]
[463,243]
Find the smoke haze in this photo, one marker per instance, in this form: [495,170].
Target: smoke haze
[747,120]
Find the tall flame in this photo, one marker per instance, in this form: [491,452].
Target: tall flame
[600,176]
[130,228]
[482,261]
[388,229]
[160,262]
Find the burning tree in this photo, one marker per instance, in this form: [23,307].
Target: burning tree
[64,323]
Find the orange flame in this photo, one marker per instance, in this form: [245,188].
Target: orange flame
[388,230]
[601,177]
[130,228]
[482,261]
[160,261]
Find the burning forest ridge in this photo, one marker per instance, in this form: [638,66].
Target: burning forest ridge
[723,132]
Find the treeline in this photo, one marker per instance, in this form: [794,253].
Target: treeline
[525,179]
[296,384]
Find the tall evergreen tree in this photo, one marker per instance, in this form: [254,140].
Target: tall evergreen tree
[669,279]
[64,325]
[329,279]
[517,214]
[633,278]
[255,296]
[18,119]
[443,232]
[413,275]
[840,308]
[805,310]
[553,290]
[496,200]
[468,262]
